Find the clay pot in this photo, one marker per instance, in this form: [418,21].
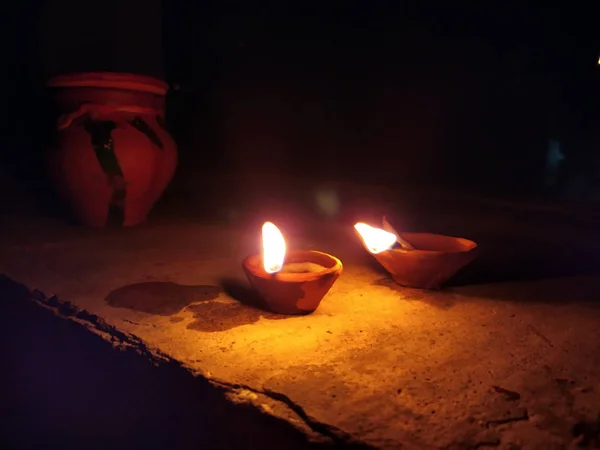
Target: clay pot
[293,293]
[434,261]
[112,157]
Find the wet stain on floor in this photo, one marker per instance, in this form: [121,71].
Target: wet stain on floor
[211,314]
[160,298]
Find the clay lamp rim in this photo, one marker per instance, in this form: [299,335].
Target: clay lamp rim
[254,264]
[462,245]
[453,244]
[430,245]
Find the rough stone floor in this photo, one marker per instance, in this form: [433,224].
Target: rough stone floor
[147,336]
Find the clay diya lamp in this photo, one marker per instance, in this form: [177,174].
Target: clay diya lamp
[291,282]
[419,260]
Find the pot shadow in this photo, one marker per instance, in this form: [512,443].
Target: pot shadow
[527,262]
[374,265]
[565,290]
[442,299]
[243,293]
[436,298]
[245,308]
[160,298]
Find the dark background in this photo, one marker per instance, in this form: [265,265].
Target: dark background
[447,94]
[406,94]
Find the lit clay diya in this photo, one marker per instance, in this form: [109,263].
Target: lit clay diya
[420,260]
[290,282]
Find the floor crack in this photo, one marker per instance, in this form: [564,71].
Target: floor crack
[340,438]
[131,322]
[523,417]
[540,335]
[138,323]
[510,395]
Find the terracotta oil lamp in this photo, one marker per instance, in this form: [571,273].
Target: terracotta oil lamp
[420,260]
[290,282]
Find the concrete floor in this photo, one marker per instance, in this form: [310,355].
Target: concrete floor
[489,362]
[64,385]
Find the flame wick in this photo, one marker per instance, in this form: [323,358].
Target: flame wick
[274,248]
[375,239]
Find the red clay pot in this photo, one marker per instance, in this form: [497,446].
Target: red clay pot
[293,293]
[113,157]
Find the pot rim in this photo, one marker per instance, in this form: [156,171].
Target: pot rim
[114,80]
[254,265]
[468,243]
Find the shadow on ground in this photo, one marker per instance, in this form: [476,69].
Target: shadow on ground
[65,387]
[507,259]
[562,291]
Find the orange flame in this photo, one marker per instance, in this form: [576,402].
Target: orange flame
[273,248]
[375,239]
